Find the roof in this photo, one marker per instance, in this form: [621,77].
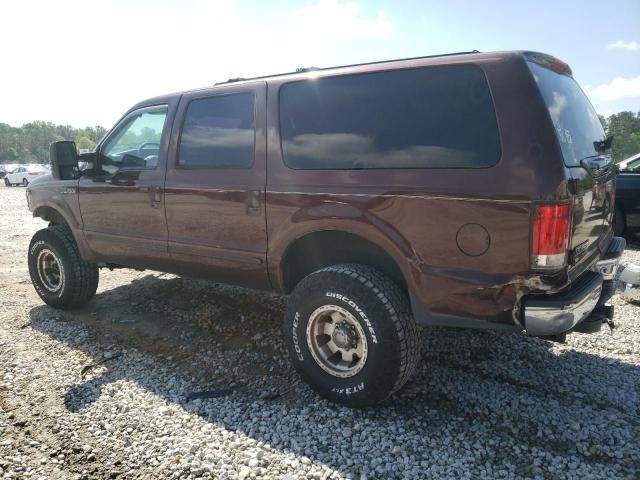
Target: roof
[303,72]
[316,69]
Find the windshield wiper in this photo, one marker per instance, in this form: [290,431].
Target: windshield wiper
[587,167]
[594,169]
[603,145]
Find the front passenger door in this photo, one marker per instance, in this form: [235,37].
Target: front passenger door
[121,199]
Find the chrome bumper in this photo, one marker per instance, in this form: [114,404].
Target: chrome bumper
[556,314]
[546,315]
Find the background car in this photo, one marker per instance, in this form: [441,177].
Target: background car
[6,168]
[626,218]
[24,174]
[632,162]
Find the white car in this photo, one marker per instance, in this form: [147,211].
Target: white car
[24,174]
[630,163]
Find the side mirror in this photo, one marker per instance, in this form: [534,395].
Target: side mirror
[64,160]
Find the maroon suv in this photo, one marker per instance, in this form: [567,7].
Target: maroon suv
[468,190]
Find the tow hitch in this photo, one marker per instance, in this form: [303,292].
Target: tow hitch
[593,323]
[626,281]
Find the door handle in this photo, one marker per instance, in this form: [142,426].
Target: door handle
[252,202]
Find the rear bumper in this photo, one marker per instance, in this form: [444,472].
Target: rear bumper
[555,314]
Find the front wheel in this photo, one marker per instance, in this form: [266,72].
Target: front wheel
[58,273]
[7,182]
[351,335]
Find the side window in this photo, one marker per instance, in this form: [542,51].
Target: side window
[433,117]
[136,143]
[218,132]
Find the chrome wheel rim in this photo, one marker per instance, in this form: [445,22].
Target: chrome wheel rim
[336,341]
[49,270]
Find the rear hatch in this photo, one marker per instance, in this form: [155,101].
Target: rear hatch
[586,155]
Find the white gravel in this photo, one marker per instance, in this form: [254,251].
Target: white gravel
[483,405]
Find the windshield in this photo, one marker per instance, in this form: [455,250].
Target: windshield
[574,118]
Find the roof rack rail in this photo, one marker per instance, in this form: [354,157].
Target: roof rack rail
[234,79]
[307,69]
[313,69]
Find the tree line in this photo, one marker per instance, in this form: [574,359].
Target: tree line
[625,128]
[30,142]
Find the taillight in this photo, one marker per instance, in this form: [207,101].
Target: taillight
[32,173]
[550,236]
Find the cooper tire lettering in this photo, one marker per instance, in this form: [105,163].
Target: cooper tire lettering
[296,342]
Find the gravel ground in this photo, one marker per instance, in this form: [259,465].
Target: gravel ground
[483,405]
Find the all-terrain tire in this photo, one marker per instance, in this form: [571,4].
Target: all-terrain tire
[78,279]
[383,312]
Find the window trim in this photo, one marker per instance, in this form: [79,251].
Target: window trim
[213,167]
[117,130]
[448,66]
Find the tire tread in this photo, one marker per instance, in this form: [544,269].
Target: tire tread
[85,275]
[393,299]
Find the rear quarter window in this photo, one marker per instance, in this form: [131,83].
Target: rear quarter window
[435,117]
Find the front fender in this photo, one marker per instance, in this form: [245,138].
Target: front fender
[49,198]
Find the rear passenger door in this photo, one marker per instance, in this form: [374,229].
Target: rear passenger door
[215,185]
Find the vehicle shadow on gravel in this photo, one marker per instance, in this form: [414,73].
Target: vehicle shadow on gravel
[480,398]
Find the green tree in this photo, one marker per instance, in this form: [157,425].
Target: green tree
[85,142]
[625,128]
[30,142]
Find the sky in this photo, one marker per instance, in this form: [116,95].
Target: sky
[85,62]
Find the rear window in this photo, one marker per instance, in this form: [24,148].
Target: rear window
[437,117]
[574,118]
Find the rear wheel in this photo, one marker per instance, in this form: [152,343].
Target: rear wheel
[351,335]
[58,273]
[25,182]
[619,223]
